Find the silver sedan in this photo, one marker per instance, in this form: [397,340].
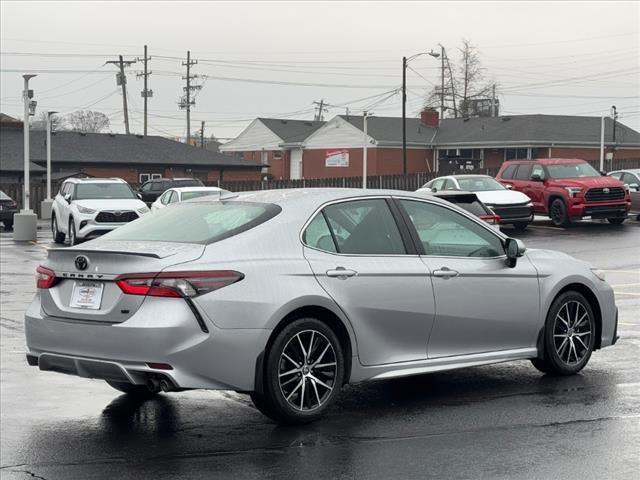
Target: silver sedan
[288,295]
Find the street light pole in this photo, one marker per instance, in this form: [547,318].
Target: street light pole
[365,146]
[25,222]
[405,61]
[47,203]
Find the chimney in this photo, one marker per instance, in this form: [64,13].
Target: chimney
[430,118]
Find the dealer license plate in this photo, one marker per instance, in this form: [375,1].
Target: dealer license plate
[87,295]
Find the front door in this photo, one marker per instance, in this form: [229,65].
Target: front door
[360,258]
[535,189]
[296,164]
[482,305]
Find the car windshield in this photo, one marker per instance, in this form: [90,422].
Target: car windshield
[90,191]
[4,196]
[192,195]
[200,222]
[479,184]
[572,170]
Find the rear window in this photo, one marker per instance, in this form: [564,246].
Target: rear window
[4,196]
[202,223]
[470,204]
[191,182]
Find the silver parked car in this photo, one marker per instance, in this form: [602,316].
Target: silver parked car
[287,295]
[631,179]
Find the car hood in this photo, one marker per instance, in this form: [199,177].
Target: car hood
[111,204]
[548,261]
[589,182]
[502,197]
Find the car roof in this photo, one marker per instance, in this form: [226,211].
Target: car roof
[470,175]
[546,161]
[635,171]
[196,189]
[95,180]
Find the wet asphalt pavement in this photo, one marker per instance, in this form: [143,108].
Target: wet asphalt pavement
[499,421]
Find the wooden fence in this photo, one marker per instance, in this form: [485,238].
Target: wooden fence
[408,182]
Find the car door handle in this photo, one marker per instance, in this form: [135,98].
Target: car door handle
[445,273]
[341,273]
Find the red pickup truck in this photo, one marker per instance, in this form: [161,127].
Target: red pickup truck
[567,189]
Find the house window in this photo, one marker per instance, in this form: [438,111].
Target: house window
[516,153]
[143,177]
[277,154]
[536,153]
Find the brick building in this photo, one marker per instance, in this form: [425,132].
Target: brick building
[334,149]
[134,158]
[273,141]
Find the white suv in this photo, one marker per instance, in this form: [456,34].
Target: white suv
[86,208]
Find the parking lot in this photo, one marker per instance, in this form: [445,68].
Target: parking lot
[499,421]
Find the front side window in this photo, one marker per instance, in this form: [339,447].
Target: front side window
[524,172]
[164,199]
[202,223]
[444,232]
[173,197]
[438,183]
[88,191]
[364,227]
[572,170]
[538,170]
[449,185]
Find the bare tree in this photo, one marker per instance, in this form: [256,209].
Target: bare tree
[87,121]
[464,84]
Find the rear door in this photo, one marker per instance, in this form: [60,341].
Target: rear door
[481,304]
[361,256]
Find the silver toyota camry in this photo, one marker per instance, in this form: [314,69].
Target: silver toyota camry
[287,295]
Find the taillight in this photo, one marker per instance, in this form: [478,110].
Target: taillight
[45,278]
[176,284]
[491,219]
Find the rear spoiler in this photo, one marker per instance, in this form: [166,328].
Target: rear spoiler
[119,252]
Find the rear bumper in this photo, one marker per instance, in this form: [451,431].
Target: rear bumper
[161,331]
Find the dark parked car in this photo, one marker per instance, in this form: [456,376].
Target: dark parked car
[152,189]
[8,208]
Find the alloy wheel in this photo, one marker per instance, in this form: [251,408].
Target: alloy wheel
[572,332]
[307,370]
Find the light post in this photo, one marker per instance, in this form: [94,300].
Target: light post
[25,223]
[47,203]
[365,147]
[405,61]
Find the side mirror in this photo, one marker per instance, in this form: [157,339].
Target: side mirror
[514,248]
[434,189]
[603,173]
[536,177]
[67,197]
[509,187]
[139,195]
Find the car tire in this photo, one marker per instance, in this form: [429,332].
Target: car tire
[520,226]
[558,213]
[616,221]
[58,236]
[73,239]
[8,225]
[137,391]
[304,371]
[569,335]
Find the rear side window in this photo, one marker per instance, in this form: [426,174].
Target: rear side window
[364,227]
[157,187]
[317,235]
[524,172]
[202,223]
[509,171]
[469,204]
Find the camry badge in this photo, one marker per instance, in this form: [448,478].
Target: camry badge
[605,190]
[81,262]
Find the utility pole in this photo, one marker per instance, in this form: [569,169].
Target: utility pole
[146,93]
[121,79]
[319,116]
[365,146]
[493,100]
[347,112]
[186,101]
[602,143]
[404,116]
[202,134]
[614,114]
[441,82]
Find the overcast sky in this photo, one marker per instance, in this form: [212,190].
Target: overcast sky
[276,58]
